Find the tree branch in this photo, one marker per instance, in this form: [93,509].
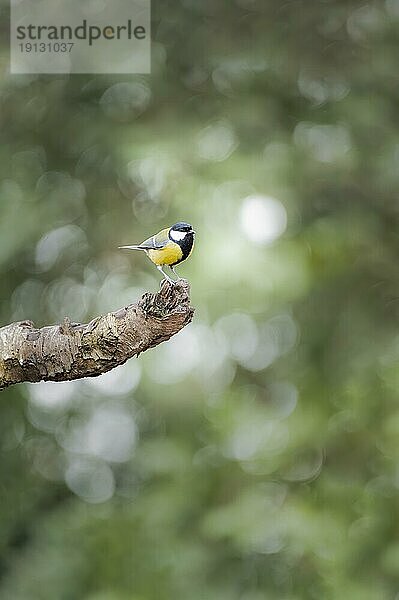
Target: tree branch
[72,350]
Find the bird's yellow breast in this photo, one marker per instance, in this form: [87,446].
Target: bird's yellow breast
[169,255]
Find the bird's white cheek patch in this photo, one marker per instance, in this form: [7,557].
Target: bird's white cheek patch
[178,235]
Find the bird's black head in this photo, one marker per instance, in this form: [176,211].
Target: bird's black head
[183,227]
[183,234]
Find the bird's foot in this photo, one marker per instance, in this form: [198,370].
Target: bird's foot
[167,280]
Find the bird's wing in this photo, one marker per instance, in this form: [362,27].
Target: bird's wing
[157,241]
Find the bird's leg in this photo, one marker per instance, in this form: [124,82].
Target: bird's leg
[173,271]
[159,267]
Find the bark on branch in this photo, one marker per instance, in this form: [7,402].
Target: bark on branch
[72,350]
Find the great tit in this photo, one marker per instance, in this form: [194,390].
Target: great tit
[169,247]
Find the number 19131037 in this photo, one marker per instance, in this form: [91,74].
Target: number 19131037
[46,46]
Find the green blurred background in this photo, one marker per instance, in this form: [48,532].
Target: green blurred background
[256,454]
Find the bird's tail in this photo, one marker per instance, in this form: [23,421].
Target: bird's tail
[130,248]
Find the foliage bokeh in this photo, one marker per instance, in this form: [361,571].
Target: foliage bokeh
[255,455]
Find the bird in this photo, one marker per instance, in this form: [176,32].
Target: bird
[168,247]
